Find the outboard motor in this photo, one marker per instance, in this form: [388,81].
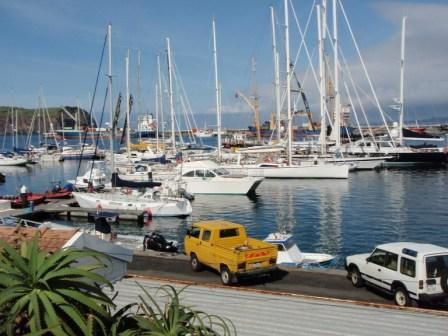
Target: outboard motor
[101,225]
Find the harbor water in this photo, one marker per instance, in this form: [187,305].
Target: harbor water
[340,217]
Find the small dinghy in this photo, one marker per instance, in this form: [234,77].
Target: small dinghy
[17,202]
[108,216]
[289,253]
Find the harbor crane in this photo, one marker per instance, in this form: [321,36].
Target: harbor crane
[253,104]
[304,99]
[253,101]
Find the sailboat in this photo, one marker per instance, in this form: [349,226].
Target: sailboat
[277,167]
[148,200]
[393,144]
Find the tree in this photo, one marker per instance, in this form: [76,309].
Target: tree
[51,292]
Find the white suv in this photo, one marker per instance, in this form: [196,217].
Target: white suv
[406,270]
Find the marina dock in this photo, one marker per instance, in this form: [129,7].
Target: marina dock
[68,208]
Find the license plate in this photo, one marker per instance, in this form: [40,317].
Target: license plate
[256,265]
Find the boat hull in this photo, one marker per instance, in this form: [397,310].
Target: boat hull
[13,161]
[319,171]
[417,159]
[118,201]
[222,185]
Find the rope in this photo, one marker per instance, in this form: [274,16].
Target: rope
[92,102]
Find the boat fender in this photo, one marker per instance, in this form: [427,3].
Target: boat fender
[99,208]
[148,216]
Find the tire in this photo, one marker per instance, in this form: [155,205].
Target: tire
[355,277]
[444,280]
[196,266]
[226,276]
[401,297]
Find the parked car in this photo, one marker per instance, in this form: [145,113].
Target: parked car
[408,271]
[225,247]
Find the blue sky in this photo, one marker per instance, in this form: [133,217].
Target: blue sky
[52,48]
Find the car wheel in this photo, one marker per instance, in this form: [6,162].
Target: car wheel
[401,297]
[196,266]
[444,280]
[355,277]
[226,276]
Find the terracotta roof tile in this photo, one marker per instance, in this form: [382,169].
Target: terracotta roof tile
[50,240]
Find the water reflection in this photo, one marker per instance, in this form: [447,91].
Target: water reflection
[340,217]
[331,216]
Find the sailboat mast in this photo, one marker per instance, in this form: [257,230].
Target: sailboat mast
[157,115]
[162,122]
[255,100]
[78,122]
[321,14]
[218,103]
[139,91]
[111,104]
[288,83]
[170,93]
[128,130]
[403,33]
[276,75]
[337,96]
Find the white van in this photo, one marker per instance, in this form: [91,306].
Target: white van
[405,270]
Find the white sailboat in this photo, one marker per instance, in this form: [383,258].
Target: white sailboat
[12,160]
[150,201]
[280,168]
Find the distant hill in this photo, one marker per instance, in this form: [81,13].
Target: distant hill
[27,118]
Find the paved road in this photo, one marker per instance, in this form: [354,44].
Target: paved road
[322,283]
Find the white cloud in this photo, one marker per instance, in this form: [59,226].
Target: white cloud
[426,73]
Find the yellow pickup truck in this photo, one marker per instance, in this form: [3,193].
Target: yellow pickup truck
[225,247]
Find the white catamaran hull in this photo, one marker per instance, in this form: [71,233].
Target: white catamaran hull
[117,201]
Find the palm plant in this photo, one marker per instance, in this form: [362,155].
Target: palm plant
[176,319]
[49,292]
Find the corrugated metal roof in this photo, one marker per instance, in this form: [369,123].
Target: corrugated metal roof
[255,313]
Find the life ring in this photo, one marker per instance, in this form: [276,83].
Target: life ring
[127,191]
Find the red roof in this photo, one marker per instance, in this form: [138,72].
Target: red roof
[49,240]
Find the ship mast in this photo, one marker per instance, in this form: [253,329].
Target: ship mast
[403,33]
[217,90]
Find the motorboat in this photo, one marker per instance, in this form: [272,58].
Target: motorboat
[95,176]
[289,253]
[207,177]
